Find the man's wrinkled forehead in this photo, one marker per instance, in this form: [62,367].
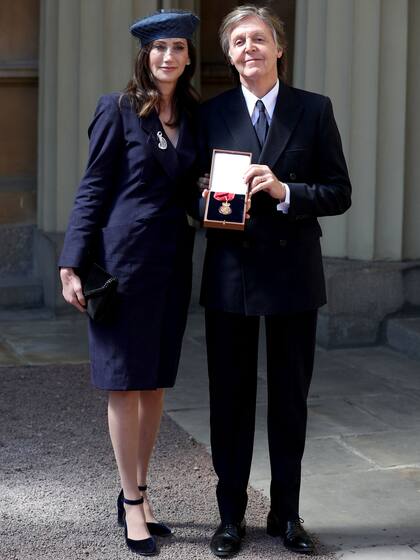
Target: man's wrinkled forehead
[253,25]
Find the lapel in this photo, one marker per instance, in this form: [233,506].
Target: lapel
[186,147]
[167,158]
[285,118]
[236,116]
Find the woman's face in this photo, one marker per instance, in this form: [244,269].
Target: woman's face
[167,59]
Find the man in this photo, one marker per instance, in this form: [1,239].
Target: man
[272,269]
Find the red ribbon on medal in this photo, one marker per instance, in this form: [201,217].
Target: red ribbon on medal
[224,196]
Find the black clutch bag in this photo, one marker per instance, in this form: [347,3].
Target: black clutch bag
[99,289]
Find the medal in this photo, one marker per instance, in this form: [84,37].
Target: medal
[163,144]
[224,198]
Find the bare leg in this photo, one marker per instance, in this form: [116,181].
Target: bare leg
[124,430]
[149,414]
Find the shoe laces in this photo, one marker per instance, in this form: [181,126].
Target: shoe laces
[296,525]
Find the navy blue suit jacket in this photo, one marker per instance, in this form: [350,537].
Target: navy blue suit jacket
[275,265]
[130,217]
[131,203]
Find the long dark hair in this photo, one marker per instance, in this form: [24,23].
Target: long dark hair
[144,94]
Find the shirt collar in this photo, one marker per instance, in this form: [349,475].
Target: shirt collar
[269,101]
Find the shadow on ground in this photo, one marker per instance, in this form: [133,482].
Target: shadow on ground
[59,482]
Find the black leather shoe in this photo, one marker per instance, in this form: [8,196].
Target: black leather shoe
[295,538]
[227,539]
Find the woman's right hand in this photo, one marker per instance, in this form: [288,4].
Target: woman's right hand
[72,289]
[203,184]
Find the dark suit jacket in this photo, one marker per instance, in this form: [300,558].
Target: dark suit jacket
[131,203]
[275,266]
[130,217]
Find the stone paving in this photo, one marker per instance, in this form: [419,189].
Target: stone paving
[361,472]
[59,481]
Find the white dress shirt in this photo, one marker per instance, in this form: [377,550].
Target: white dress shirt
[269,101]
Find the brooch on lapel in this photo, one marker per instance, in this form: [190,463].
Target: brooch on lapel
[163,144]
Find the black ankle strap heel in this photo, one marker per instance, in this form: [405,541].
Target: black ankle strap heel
[120,505]
[133,502]
[156,529]
[144,547]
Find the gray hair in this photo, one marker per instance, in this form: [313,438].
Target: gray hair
[268,17]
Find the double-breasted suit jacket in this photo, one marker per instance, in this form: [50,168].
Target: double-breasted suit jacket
[273,268]
[275,265]
[130,216]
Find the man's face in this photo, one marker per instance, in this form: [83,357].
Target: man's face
[252,49]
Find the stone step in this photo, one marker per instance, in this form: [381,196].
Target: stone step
[403,334]
[21,292]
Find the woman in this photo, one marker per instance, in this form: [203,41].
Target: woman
[130,218]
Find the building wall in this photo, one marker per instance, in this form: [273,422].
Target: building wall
[18,125]
[18,110]
[362,53]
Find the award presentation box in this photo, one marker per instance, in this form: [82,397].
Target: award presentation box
[226,201]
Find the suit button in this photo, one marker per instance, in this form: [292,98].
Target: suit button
[292,176]
[283,242]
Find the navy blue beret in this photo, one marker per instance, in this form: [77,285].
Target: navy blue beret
[165,25]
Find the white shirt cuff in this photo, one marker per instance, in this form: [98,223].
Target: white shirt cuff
[284,206]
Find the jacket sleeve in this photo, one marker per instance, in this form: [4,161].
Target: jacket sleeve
[330,194]
[105,145]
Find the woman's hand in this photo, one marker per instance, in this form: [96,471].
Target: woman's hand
[203,184]
[72,289]
[261,178]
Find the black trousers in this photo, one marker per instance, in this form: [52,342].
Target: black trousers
[232,352]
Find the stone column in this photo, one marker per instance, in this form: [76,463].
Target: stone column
[68,99]
[315,45]
[337,84]
[363,137]
[411,224]
[391,130]
[412,165]
[47,110]
[119,46]
[299,61]
[90,71]
[323,64]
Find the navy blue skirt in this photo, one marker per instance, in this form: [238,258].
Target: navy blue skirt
[139,347]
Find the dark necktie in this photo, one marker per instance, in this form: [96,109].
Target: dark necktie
[261,126]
